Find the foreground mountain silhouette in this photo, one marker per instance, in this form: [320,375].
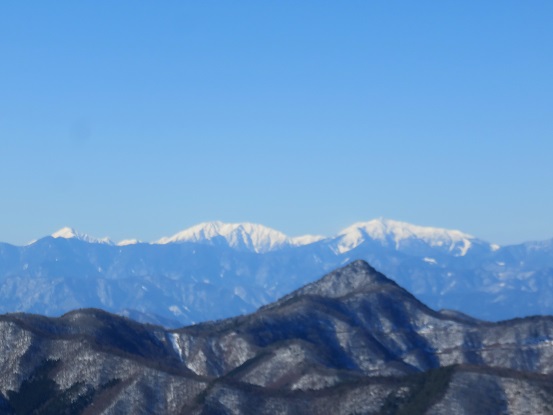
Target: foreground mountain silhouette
[351,342]
[216,270]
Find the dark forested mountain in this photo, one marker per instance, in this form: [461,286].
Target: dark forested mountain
[352,342]
[218,270]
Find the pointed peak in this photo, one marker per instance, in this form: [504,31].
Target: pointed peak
[66,233]
[351,278]
[355,277]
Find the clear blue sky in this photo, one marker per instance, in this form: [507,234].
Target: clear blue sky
[139,119]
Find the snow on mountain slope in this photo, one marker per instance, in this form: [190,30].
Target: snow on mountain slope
[126,242]
[250,236]
[395,233]
[305,239]
[70,233]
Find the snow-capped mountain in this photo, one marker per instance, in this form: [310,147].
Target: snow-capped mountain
[70,233]
[398,235]
[248,236]
[216,270]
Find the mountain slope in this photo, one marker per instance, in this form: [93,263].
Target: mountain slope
[363,322]
[351,342]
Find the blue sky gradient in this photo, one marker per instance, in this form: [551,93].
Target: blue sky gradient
[138,119]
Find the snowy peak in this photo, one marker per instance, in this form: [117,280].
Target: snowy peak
[70,233]
[400,234]
[248,236]
[66,233]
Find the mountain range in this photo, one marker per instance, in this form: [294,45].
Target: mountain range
[352,342]
[216,270]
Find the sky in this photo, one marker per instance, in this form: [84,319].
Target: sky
[136,119]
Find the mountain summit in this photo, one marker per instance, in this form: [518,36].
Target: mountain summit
[356,277]
[399,234]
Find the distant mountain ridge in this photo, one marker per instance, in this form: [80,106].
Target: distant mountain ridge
[216,270]
[262,239]
[394,233]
